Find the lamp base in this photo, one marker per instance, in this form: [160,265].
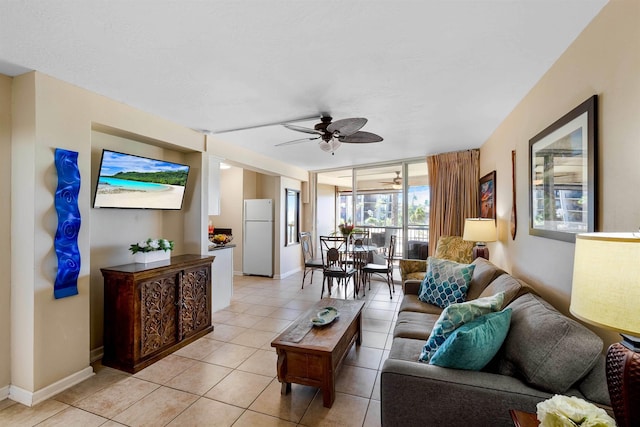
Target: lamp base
[623,380]
[480,251]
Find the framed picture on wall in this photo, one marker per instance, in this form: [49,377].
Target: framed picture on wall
[487,208]
[562,175]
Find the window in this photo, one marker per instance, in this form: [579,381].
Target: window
[386,199]
[292,217]
[345,206]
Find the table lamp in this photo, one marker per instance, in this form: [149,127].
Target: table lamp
[480,230]
[606,293]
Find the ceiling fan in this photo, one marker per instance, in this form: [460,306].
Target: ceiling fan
[396,182]
[333,134]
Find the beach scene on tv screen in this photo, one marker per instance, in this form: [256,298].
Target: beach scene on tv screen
[128,181]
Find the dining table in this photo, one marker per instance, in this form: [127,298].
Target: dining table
[360,255]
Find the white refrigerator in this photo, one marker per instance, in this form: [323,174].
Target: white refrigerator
[257,241]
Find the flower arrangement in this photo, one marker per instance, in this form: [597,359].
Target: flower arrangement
[222,239]
[345,229]
[349,229]
[151,245]
[571,411]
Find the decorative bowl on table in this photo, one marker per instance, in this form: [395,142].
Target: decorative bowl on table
[325,316]
[221,239]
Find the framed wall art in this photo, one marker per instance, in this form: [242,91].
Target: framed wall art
[487,208]
[562,175]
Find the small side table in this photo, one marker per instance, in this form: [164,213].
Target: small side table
[523,419]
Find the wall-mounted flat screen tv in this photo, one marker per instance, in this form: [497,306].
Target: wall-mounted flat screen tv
[135,182]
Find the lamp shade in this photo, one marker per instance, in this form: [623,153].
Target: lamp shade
[479,230]
[606,281]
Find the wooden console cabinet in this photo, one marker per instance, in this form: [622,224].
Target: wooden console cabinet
[151,310]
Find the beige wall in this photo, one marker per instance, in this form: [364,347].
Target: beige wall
[5,232]
[50,339]
[23,131]
[603,60]
[231,197]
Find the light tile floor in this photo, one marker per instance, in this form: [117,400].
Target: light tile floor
[228,378]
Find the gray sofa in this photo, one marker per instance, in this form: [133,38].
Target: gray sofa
[544,353]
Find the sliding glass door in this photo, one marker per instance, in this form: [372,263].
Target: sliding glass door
[390,199]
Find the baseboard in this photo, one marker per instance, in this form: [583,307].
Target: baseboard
[287,274]
[4,392]
[96,354]
[33,398]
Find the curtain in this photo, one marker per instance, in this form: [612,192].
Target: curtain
[453,180]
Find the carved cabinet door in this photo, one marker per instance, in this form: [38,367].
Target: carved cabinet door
[159,313]
[195,310]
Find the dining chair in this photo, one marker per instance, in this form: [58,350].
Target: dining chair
[360,233]
[334,261]
[310,263]
[385,270]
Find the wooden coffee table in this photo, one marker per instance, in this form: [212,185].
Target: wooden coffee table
[310,355]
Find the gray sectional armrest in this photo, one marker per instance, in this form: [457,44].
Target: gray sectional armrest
[418,394]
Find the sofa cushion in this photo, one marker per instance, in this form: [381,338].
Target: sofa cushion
[414,325]
[456,315]
[545,348]
[412,303]
[484,273]
[446,282]
[405,349]
[512,288]
[594,384]
[474,344]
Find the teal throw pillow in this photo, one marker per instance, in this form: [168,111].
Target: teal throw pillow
[474,344]
[446,282]
[457,315]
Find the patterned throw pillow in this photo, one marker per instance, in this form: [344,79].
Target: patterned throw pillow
[457,315]
[446,282]
[474,344]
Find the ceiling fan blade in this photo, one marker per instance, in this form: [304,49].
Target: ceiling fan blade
[302,129]
[296,141]
[361,138]
[346,127]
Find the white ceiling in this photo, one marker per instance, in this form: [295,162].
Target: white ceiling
[431,76]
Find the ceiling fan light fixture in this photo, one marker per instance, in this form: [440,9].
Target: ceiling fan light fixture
[330,146]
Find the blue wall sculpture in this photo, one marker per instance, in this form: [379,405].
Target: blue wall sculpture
[66,240]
